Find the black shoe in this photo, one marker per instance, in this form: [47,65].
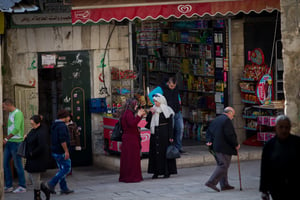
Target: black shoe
[49,188]
[155,176]
[45,191]
[166,175]
[227,187]
[212,186]
[68,191]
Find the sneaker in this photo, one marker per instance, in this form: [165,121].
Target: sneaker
[19,189]
[8,189]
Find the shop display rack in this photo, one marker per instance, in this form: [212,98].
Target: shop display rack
[194,52]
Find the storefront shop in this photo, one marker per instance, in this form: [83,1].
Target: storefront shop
[190,40]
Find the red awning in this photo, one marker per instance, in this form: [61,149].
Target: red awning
[107,10]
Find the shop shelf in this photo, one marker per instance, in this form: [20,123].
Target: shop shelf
[251,129]
[198,91]
[249,102]
[249,117]
[247,79]
[203,75]
[248,91]
[193,43]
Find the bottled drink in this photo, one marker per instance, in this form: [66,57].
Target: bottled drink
[109,111]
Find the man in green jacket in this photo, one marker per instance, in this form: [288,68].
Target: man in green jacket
[15,134]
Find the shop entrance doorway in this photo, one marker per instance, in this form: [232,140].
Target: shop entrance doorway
[64,83]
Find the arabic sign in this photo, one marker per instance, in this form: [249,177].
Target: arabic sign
[42,19]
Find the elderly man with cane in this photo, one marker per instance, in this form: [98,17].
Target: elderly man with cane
[222,140]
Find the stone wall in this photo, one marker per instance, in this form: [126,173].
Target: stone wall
[237,67]
[290,30]
[23,45]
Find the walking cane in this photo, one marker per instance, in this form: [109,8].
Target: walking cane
[238,160]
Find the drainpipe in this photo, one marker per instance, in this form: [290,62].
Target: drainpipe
[130,52]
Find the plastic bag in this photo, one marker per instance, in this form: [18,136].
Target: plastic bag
[172,152]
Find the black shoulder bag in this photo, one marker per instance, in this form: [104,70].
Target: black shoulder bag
[117,132]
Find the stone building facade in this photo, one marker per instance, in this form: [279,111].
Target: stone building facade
[24,44]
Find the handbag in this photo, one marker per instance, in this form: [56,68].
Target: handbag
[22,149]
[117,132]
[172,152]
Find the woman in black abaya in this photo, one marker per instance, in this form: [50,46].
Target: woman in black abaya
[160,121]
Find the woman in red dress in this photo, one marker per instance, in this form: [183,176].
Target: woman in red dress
[130,162]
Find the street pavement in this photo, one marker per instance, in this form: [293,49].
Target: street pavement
[94,183]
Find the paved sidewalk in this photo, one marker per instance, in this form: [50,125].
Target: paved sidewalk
[93,183]
[196,156]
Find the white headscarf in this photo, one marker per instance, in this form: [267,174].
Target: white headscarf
[164,108]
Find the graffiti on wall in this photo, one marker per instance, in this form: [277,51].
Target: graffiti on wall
[32,65]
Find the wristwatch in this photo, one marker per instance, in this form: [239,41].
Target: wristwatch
[6,139]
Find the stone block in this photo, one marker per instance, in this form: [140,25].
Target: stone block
[104,34]
[86,39]
[237,61]
[95,35]
[118,54]
[237,50]
[77,37]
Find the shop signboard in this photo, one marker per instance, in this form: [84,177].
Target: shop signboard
[264,89]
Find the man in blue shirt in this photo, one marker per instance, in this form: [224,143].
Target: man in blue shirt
[171,93]
[60,143]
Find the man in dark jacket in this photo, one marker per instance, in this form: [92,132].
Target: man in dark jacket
[222,139]
[171,93]
[60,143]
[280,163]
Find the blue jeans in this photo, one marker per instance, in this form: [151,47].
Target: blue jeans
[178,130]
[10,151]
[64,167]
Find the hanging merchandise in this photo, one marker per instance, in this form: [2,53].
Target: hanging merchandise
[257,94]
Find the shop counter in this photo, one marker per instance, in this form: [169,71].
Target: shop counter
[115,146]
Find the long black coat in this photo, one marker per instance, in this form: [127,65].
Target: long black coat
[37,152]
[280,172]
[158,163]
[222,135]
